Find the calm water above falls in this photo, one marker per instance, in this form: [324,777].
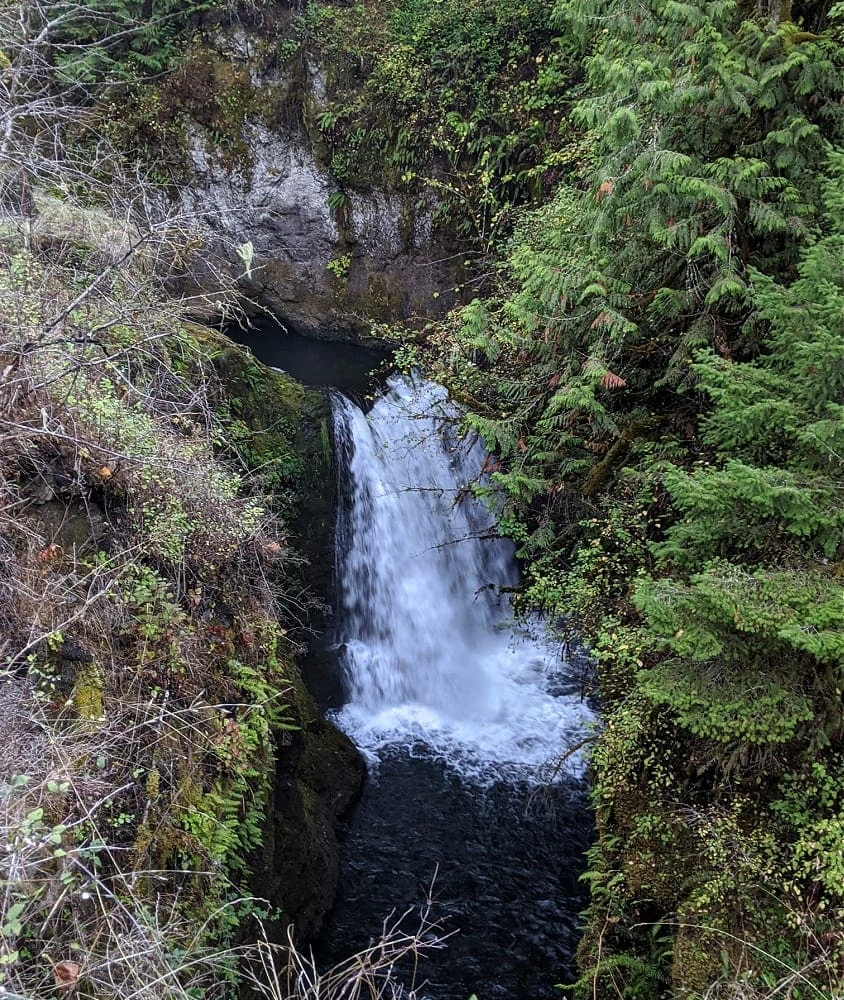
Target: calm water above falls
[457,711]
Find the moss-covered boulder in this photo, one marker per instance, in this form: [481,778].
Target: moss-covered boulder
[318,776]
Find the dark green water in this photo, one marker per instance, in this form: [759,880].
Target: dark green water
[323,363]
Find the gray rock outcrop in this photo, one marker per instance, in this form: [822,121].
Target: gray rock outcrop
[327,262]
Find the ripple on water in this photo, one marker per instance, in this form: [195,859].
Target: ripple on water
[507,857]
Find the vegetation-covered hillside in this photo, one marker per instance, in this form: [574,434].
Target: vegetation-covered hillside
[151,714]
[662,378]
[144,665]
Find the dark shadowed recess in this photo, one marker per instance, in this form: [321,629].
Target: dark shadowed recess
[318,363]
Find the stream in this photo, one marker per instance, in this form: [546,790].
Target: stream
[459,712]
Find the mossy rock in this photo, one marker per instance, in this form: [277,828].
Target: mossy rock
[87,694]
[318,771]
[268,400]
[319,774]
[697,961]
[265,409]
[659,865]
[215,92]
[289,444]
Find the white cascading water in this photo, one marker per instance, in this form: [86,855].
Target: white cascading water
[431,658]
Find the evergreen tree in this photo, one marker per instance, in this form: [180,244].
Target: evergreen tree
[760,522]
[710,136]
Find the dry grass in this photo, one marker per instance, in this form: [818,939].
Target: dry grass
[387,969]
[69,894]
[138,639]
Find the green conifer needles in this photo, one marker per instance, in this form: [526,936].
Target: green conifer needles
[664,382]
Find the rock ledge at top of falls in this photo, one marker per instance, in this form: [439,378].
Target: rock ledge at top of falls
[276,194]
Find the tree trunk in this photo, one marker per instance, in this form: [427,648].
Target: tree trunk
[775,11]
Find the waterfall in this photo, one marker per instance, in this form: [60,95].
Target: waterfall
[433,663]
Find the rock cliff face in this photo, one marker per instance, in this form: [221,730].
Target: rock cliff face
[317,779]
[327,262]
[318,771]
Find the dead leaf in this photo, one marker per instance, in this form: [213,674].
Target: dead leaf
[66,975]
[613,381]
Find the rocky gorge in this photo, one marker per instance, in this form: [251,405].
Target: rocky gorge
[327,259]
[614,235]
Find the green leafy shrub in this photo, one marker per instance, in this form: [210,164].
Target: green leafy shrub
[660,377]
